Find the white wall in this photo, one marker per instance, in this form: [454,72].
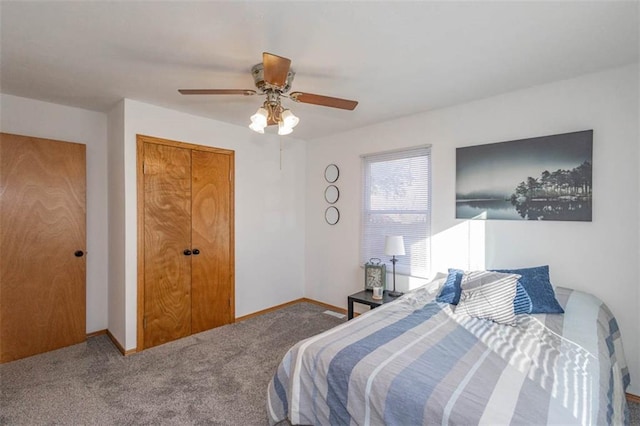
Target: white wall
[41,119]
[117,231]
[269,207]
[600,257]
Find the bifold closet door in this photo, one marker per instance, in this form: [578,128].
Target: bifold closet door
[167,234]
[186,249]
[42,245]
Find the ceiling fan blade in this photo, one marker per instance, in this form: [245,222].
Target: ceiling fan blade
[276,69]
[246,92]
[310,98]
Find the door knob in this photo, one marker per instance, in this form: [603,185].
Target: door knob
[78,253]
[187,252]
[196,252]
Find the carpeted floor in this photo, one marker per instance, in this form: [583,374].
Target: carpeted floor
[218,377]
[634,411]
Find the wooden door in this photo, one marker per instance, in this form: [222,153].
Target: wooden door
[211,238]
[167,234]
[42,245]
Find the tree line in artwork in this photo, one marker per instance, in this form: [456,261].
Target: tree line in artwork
[559,185]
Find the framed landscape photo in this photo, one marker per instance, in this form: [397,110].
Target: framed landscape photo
[541,178]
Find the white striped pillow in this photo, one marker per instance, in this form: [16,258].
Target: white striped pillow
[488,295]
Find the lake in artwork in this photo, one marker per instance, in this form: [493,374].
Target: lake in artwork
[543,178]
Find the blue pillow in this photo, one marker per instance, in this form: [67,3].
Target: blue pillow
[450,292]
[538,287]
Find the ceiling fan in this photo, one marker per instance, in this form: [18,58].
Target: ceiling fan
[273,78]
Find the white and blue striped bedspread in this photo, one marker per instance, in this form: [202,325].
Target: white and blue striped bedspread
[415,361]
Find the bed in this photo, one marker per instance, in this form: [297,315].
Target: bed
[419,361]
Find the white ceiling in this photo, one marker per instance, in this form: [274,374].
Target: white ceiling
[395,58]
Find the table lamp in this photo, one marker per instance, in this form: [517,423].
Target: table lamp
[394,246]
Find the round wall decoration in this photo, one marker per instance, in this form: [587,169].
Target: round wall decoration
[331,194]
[331,173]
[332,215]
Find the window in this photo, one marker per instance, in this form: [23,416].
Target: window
[397,201]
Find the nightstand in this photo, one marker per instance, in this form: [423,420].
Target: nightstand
[366,298]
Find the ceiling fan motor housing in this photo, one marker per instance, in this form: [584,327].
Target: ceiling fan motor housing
[257,71]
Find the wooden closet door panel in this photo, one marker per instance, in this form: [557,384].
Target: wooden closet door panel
[42,225]
[212,284]
[167,233]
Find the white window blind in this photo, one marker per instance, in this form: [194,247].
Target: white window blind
[397,201]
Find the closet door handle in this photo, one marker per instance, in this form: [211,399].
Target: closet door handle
[196,252]
[187,252]
[78,253]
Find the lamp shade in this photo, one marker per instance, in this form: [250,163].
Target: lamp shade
[289,119]
[283,129]
[260,117]
[256,127]
[394,246]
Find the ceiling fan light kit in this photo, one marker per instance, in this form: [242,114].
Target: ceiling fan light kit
[272,112]
[273,77]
